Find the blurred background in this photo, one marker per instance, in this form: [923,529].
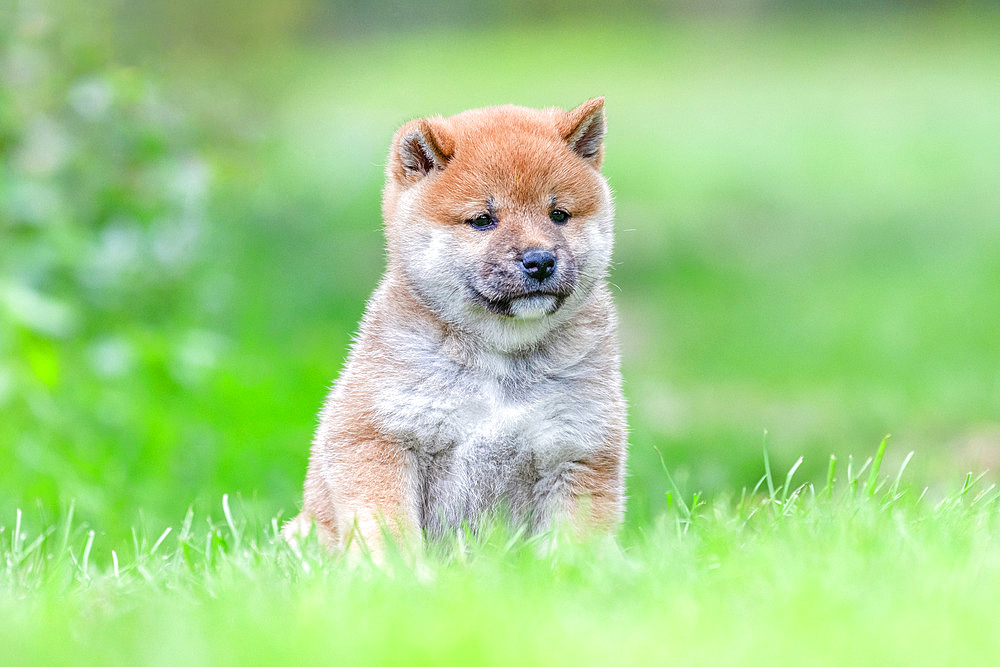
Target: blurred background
[808,250]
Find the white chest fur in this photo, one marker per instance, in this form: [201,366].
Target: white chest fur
[479,444]
[553,420]
[486,429]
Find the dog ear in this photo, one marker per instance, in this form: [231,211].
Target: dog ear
[584,128]
[419,148]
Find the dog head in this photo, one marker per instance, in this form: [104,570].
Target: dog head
[499,219]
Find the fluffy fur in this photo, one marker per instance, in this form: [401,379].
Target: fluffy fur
[471,386]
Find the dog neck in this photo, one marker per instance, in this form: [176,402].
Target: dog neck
[505,347]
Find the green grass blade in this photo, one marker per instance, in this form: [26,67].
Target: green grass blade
[685,510]
[899,475]
[788,480]
[876,466]
[767,470]
[831,470]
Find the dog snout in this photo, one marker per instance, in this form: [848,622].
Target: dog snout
[538,263]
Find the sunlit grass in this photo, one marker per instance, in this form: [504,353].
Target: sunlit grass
[865,566]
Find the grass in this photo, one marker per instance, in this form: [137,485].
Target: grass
[865,569]
[807,248]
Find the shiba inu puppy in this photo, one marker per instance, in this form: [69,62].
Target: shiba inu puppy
[485,375]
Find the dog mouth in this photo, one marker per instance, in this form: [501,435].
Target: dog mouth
[526,305]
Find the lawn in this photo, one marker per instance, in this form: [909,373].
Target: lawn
[867,571]
[807,259]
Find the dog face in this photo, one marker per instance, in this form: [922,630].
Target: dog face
[498,219]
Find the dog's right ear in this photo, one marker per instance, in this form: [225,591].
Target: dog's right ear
[420,148]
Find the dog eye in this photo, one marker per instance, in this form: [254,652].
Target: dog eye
[559,216]
[484,221]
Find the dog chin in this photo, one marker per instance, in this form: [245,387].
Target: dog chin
[535,306]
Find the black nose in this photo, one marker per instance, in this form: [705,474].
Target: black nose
[538,264]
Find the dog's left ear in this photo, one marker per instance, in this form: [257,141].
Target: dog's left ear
[583,129]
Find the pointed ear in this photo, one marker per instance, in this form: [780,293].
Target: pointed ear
[419,148]
[584,129]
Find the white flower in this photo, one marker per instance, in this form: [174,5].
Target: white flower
[91,97]
[45,147]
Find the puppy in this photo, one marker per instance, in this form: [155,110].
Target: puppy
[485,377]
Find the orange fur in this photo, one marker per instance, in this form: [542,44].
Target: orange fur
[437,385]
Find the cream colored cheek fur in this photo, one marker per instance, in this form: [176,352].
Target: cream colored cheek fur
[433,261]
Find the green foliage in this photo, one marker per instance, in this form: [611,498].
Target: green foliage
[808,246]
[807,241]
[103,195]
[804,574]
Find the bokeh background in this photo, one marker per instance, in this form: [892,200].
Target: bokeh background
[808,222]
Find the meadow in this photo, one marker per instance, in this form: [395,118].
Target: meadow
[807,259]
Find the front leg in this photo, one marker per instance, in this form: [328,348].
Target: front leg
[588,495]
[360,487]
[375,495]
